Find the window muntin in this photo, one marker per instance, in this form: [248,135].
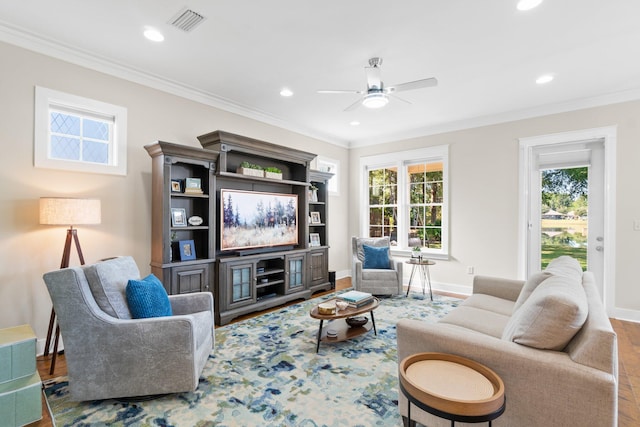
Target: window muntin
[77,137]
[405,197]
[79,134]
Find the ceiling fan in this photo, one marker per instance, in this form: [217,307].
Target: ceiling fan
[377,94]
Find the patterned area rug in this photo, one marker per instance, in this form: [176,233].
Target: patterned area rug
[265,372]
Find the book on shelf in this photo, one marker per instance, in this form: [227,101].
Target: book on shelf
[193,191]
[355,296]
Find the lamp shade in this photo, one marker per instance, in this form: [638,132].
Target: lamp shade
[67,211]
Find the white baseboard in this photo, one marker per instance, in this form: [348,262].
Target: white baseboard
[40,346]
[342,274]
[626,314]
[444,287]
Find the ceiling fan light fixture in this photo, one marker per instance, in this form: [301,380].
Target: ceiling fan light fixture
[375,100]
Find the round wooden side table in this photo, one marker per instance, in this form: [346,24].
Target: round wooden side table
[451,387]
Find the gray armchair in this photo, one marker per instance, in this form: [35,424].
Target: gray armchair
[111,355]
[375,281]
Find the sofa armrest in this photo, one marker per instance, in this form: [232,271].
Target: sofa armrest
[191,303]
[537,382]
[498,287]
[397,266]
[356,271]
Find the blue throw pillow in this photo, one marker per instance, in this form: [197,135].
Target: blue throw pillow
[375,257]
[147,298]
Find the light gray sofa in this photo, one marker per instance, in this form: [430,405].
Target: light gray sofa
[111,355]
[548,338]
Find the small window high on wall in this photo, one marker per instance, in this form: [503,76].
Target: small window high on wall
[405,197]
[79,134]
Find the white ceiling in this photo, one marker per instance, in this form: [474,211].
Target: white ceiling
[485,54]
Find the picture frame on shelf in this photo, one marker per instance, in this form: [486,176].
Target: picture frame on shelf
[187,250]
[193,185]
[315,218]
[176,186]
[314,239]
[178,217]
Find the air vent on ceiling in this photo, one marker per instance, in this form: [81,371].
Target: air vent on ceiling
[186,20]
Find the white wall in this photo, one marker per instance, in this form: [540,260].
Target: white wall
[484,195]
[28,250]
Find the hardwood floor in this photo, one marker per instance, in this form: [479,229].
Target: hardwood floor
[628,362]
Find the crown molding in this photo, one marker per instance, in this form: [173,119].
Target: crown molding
[36,43]
[509,116]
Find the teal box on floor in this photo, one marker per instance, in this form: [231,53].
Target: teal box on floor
[21,401]
[20,385]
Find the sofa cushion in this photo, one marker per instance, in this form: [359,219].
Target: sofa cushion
[486,322]
[490,303]
[147,298]
[550,317]
[108,280]
[382,275]
[529,286]
[375,258]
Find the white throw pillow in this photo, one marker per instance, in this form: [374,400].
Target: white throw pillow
[550,317]
[529,286]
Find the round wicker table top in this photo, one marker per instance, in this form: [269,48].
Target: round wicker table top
[452,385]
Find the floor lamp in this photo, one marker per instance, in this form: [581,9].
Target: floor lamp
[70,212]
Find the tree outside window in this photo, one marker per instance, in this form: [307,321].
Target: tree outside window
[425,204]
[406,199]
[383,203]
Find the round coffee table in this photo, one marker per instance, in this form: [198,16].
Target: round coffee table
[342,330]
[451,387]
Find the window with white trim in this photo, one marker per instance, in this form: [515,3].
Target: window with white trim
[405,197]
[79,134]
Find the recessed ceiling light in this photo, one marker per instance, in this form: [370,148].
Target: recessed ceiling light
[543,79]
[286,92]
[528,4]
[153,34]
[355,123]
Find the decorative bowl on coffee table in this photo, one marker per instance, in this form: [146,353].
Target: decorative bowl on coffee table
[357,321]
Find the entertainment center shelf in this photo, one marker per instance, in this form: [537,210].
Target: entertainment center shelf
[234,175]
[259,241]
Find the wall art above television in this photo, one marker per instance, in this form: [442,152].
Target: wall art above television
[254,219]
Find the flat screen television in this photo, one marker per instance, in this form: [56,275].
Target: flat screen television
[254,219]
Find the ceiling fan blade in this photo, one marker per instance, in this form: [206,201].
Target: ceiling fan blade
[374,77]
[418,84]
[401,99]
[341,91]
[354,105]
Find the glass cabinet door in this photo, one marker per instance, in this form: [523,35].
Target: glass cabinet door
[241,282]
[295,273]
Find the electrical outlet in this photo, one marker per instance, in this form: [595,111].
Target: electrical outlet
[636,225]
[470,270]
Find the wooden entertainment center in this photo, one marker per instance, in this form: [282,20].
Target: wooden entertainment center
[186,223]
